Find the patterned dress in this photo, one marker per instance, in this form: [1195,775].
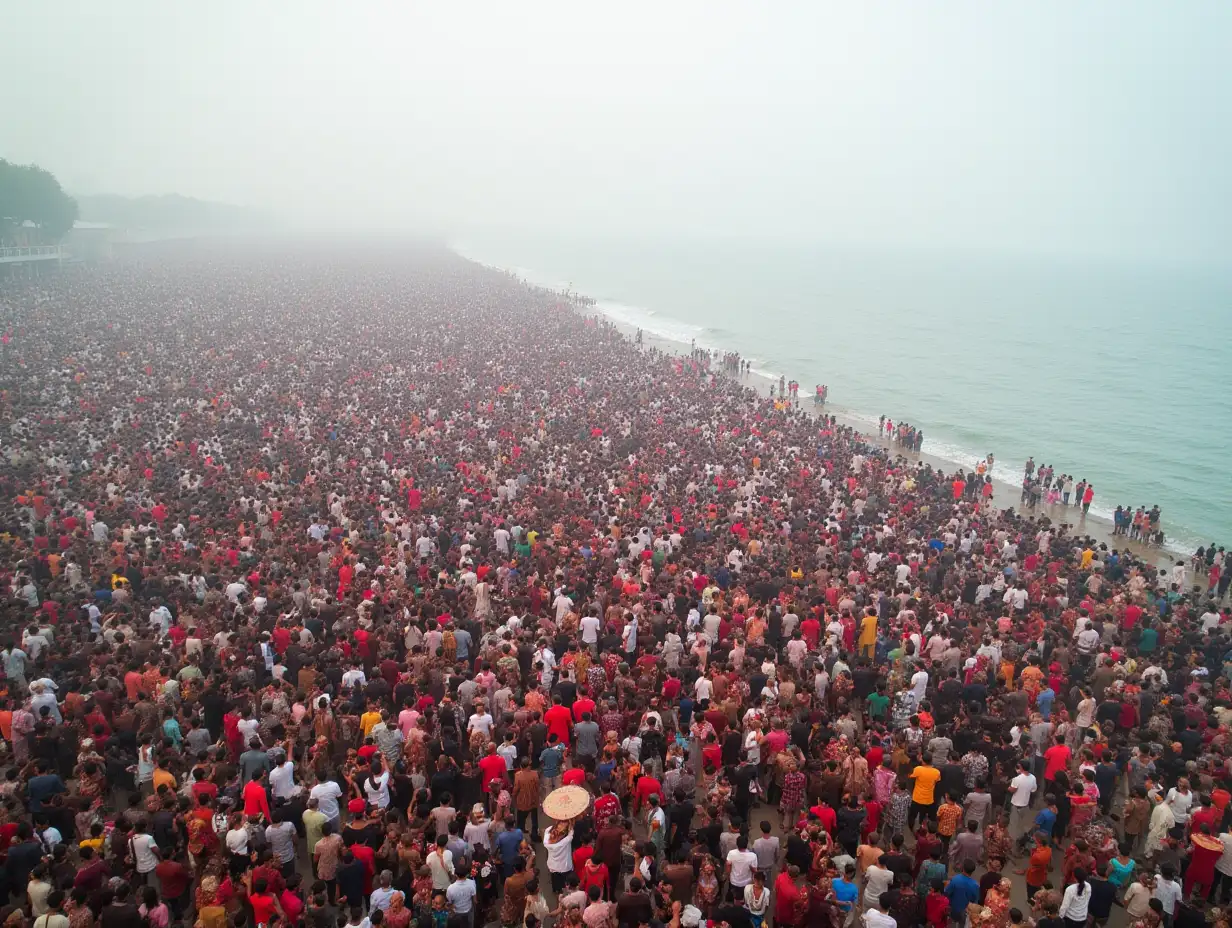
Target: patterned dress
[793,791]
[896,817]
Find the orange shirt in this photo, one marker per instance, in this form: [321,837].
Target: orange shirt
[1039,865]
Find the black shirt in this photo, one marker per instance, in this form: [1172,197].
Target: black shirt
[735,915]
[710,835]
[800,732]
[849,821]
[799,853]
[633,909]
[121,916]
[1103,894]
[746,775]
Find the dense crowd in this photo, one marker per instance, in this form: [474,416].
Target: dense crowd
[322,571]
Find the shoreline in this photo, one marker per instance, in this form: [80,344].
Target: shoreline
[1005,496]
[1098,523]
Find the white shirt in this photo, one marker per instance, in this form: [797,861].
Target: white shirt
[743,863]
[874,919]
[462,894]
[1224,864]
[381,897]
[282,780]
[1024,786]
[326,794]
[377,789]
[1074,906]
[1180,804]
[590,629]
[237,840]
[560,853]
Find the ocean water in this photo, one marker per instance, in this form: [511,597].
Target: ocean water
[1117,374]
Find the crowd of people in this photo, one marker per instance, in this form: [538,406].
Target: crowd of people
[322,571]
[1043,485]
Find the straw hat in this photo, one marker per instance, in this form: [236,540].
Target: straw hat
[566,802]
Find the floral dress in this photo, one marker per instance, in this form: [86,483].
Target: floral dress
[896,817]
[706,891]
[793,791]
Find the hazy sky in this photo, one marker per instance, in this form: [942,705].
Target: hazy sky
[1099,127]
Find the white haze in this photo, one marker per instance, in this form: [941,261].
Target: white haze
[1099,128]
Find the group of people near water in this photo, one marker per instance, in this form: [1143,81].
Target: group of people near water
[322,571]
[901,433]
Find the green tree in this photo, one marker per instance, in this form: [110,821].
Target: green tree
[30,193]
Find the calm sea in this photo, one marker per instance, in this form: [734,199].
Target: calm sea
[1120,375]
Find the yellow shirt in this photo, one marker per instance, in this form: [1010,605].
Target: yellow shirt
[868,630]
[368,721]
[1087,556]
[163,778]
[925,784]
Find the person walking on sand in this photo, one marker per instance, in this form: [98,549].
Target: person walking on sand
[1087,495]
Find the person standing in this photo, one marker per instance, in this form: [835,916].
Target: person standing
[1021,788]
[526,795]
[1075,903]
[739,867]
[558,842]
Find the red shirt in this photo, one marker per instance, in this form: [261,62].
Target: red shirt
[262,907]
[606,806]
[937,909]
[557,720]
[292,904]
[1204,816]
[491,767]
[786,893]
[367,856]
[1055,759]
[580,856]
[829,819]
[647,787]
[173,878]
[256,801]
[584,704]
[589,877]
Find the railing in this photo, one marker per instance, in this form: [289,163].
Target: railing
[31,251]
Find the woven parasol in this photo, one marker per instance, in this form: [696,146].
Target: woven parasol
[1206,841]
[566,803]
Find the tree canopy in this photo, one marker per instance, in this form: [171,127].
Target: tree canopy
[30,193]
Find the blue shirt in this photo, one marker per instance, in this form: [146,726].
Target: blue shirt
[962,891]
[1045,821]
[1044,702]
[507,843]
[846,894]
[42,787]
[550,758]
